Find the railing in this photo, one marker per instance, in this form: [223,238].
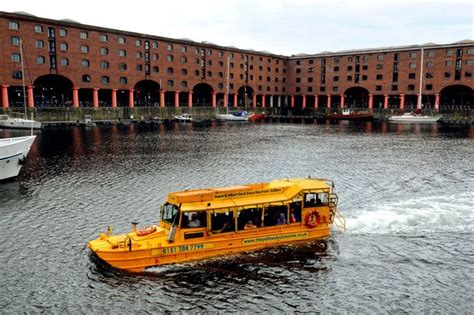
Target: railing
[336,217]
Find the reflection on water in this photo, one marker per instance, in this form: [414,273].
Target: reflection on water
[405,189]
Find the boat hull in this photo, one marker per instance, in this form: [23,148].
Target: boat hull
[230,117]
[137,260]
[415,119]
[20,124]
[13,152]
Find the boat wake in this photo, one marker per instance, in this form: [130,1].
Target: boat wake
[429,214]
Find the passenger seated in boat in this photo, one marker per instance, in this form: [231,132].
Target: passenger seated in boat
[249,225]
[318,201]
[195,221]
[281,219]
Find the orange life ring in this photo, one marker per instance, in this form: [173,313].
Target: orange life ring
[312,219]
[147,230]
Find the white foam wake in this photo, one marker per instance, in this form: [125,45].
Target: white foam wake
[428,214]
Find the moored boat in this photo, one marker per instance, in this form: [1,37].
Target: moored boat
[350,115]
[205,223]
[412,117]
[13,152]
[18,123]
[257,117]
[234,116]
[184,118]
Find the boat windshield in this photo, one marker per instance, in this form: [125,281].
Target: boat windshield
[169,213]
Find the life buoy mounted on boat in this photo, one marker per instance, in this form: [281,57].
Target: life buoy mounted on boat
[312,219]
[146,231]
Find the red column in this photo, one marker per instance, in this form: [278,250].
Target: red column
[263,100]
[162,98]
[5,102]
[385,102]
[436,101]
[343,101]
[226,100]
[304,100]
[371,101]
[131,101]
[190,99]
[292,101]
[114,98]
[254,100]
[214,102]
[418,103]
[235,100]
[75,97]
[176,99]
[316,101]
[402,101]
[31,100]
[95,98]
[329,101]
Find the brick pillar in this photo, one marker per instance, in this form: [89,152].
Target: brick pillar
[418,103]
[371,101]
[95,98]
[75,97]
[292,99]
[176,99]
[402,101]
[343,101]
[316,101]
[235,100]
[226,100]
[131,101]
[254,100]
[385,102]
[190,99]
[263,101]
[114,98]
[214,101]
[304,101]
[5,102]
[329,101]
[162,98]
[436,101]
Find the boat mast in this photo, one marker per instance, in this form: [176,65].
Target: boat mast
[421,81]
[23,77]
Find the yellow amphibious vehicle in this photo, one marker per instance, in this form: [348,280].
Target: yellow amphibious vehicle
[198,224]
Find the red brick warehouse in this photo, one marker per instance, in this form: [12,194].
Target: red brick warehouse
[70,64]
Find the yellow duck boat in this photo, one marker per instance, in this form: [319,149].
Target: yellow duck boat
[199,224]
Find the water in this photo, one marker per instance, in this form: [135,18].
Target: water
[406,191]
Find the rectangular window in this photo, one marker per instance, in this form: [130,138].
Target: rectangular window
[104,51]
[379,77]
[104,38]
[62,32]
[430,54]
[122,53]
[470,62]
[105,80]
[39,44]
[138,42]
[429,87]
[411,75]
[169,58]
[16,57]
[38,29]
[13,25]
[411,87]
[123,80]
[378,88]
[448,63]
[413,55]
[170,83]
[122,40]
[169,47]
[412,65]
[394,87]
[85,63]
[470,51]
[84,48]
[63,46]
[449,52]
[40,60]
[83,35]
[430,64]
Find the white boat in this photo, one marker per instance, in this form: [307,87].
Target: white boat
[236,116]
[18,123]
[13,152]
[184,118]
[411,117]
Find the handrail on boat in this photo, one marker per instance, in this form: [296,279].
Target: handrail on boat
[336,217]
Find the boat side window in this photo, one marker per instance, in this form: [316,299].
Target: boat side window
[193,219]
[222,222]
[249,219]
[313,200]
[275,215]
[169,213]
[295,212]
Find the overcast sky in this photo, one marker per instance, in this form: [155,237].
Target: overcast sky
[280,26]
